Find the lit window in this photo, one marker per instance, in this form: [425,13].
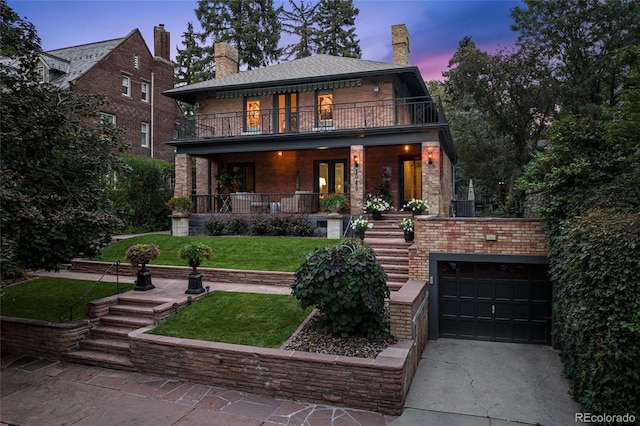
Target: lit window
[144,135]
[126,85]
[144,89]
[253,115]
[325,108]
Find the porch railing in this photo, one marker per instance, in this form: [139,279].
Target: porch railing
[307,119]
[300,202]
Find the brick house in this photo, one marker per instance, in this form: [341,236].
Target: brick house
[293,132]
[131,77]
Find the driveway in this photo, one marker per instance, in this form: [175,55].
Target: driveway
[468,382]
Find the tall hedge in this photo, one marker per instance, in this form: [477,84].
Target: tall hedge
[596,273]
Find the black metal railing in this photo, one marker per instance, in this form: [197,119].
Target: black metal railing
[343,116]
[300,202]
[69,310]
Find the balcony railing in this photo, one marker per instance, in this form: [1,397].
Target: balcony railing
[343,116]
[300,202]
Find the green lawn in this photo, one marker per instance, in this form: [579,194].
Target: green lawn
[264,320]
[46,298]
[233,252]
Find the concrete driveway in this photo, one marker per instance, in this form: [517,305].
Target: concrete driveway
[467,382]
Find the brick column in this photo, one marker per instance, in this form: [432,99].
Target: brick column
[357,178]
[183,175]
[202,176]
[431,185]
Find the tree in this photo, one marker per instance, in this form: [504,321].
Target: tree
[503,103]
[190,65]
[300,21]
[577,38]
[252,26]
[55,162]
[336,33]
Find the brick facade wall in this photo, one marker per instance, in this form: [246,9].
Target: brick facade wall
[473,235]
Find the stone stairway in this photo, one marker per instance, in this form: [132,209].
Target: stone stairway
[107,344]
[387,241]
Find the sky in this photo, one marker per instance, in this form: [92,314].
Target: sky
[435,26]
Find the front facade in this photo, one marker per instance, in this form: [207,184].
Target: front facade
[292,133]
[132,79]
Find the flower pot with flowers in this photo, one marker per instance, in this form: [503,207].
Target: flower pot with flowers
[376,205]
[335,203]
[406,225]
[141,254]
[417,206]
[194,254]
[360,225]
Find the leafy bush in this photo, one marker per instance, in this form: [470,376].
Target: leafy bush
[335,203]
[236,226]
[215,226]
[348,285]
[195,253]
[284,225]
[595,271]
[260,225]
[141,254]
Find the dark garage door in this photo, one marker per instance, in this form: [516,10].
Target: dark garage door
[504,302]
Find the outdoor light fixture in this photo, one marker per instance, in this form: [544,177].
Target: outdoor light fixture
[280,154]
[175,307]
[430,157]
[356,160]
[207,288]
[376,88]
[189,300]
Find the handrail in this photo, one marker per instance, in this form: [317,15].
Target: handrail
[116,263]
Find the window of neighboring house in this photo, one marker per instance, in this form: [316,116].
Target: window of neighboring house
[126,85]
[144,91]
[324,106]
[252,117]
[144,135]
[107,120]
[42,74]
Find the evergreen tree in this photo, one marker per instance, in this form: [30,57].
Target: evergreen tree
[300,21]
[252,26]
[336,33]
[190,66]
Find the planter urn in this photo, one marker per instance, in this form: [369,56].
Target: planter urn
[143,279]
[195,279]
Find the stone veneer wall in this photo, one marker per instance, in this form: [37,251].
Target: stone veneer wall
[473,235]
[379,384]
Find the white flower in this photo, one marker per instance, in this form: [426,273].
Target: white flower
[361,224]
[377,204]
[417,205]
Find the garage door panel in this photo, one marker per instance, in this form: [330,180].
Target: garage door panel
[495,301]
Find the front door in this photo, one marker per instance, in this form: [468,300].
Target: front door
[410,179]
[286,112]
[330,176]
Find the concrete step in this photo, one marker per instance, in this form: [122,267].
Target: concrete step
[101,359]
[108,332]
[111,346]
[131,322]
[132,310]
[133,299]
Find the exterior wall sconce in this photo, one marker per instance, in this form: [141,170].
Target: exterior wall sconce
[376,88]
[430,157]
[279,154]
[356,160]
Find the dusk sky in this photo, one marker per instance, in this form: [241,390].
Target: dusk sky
[435,26]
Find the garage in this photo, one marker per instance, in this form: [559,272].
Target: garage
[493,298]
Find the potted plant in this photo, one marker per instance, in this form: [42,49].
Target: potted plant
[194,254]
[416,206]
[180,205]
[335,203]
[360,225]
[406,225]
[227,181]
[141,254]
[376,205]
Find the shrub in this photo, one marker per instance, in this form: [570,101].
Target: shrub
[215,226]
[335,203]
[300,226]
[182,205]
[141,254]
[236,226]
[348,285]
[195,253]
[260,225]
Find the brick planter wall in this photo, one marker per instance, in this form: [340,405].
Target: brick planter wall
[379,384]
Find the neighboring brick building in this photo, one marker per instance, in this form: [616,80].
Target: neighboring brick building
[131,77]
[293,132]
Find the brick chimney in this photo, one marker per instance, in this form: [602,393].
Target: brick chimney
[161,42]
[400,43]
[226,59]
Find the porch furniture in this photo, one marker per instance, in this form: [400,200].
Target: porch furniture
[241,202]
[301,202]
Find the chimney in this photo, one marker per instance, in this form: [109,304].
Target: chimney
[400,43]
[226,59]
[161,42]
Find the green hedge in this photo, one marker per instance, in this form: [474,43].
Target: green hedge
[596,273]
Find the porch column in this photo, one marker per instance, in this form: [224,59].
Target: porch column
[431,186]
[357,163]
[203,176]
[183,176]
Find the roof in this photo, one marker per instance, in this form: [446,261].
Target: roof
[304,70]
[79,59]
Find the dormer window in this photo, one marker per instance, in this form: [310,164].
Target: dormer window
[126,85]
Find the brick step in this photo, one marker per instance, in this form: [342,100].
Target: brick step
[132,310]
[121,333]
[111,346]
[396,277]
[396,258]
[395,285]
[125,321]
[390,268]
[101,359]
[391,251]
[132,299]
[394,242]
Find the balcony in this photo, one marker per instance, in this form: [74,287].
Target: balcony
[389,113]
